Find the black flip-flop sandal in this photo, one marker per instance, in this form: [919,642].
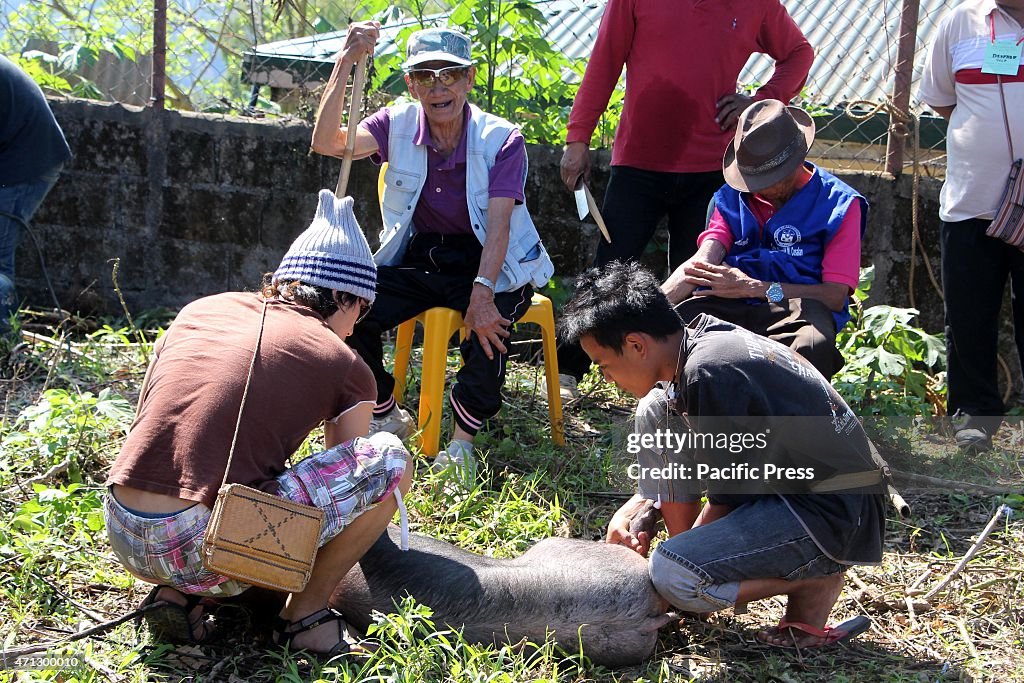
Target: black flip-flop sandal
[285,631]
[172,623]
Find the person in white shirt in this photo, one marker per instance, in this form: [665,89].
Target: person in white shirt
[961,85]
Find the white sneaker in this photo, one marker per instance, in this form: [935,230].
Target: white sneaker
[459,457]
[567,387]
[396,421]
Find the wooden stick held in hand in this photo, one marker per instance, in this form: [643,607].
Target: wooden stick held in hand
[353,122]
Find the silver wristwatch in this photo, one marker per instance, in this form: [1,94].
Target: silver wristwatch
[481,280]
[774,293]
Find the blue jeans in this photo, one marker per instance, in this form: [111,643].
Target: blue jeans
[20,201]
[700,570]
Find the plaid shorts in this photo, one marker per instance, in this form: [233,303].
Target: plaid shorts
[344,482]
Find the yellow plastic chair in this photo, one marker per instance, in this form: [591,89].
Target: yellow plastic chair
[439,325]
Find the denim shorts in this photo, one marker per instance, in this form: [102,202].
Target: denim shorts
[344,482]
[700,570]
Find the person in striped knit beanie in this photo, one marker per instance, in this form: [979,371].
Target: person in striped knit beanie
[165,480]
[331,253]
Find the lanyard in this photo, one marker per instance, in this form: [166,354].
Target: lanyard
[992,23]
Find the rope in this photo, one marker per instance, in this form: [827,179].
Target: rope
[899,121]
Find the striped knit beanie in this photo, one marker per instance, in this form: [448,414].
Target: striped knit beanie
[332,252]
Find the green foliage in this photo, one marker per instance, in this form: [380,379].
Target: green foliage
[57,573]
[521,76]
[521,73]
[48,71]
[72,34]
[412,649]
[50,537]
[63,426]
[892,367]
[518,513]
[73,508]
[205,42]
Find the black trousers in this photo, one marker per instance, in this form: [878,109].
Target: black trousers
[804,325]
[634,204]
[438,271]
[975,269]
[1017,306]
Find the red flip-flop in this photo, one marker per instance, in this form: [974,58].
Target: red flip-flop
[841,633]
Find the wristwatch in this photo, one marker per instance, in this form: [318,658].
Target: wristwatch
[481,280]
[774,293]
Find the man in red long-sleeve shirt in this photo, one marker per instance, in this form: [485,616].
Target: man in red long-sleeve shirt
[683,58]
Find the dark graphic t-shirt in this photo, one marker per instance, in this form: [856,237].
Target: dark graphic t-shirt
[759,403]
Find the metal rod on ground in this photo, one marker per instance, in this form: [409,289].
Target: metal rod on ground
[901,86]
[353,123]
[1003,510]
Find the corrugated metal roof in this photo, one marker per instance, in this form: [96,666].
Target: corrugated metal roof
[855,45]
[572,29]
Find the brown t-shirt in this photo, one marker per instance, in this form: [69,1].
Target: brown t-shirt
[179,442]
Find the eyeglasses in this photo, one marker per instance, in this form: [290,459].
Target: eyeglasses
[364,305]
[364,310]
[448,76]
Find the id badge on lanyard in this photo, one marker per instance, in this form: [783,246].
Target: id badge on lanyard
[1002,57]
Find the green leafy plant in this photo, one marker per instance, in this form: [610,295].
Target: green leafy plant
[66,430]
[892,367]
[73,507]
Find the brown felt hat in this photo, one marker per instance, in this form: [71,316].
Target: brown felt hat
[771,143]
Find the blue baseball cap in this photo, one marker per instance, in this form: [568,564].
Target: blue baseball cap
[437,44]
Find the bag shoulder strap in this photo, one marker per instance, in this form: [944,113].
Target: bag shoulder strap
[1006,119]
[245,394]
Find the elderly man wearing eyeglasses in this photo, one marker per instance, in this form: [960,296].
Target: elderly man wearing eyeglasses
[456,231]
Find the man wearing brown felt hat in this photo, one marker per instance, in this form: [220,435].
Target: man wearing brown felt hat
[781,252]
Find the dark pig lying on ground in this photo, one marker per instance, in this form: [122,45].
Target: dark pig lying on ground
[582,591]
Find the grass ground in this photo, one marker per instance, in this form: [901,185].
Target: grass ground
[68,398]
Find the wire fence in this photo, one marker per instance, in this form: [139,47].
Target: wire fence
[269,59]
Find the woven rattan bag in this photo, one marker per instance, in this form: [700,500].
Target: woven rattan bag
[256,537]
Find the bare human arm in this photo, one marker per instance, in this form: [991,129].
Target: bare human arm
[677,287]
[732,283]
[711,512]
[781,39]
[482,317]
[680,517]
[329,137]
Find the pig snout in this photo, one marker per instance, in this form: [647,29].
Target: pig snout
[586,593]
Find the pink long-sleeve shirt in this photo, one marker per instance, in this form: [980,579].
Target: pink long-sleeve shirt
[681,57]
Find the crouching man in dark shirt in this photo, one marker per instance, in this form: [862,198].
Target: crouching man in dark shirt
[794,497]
